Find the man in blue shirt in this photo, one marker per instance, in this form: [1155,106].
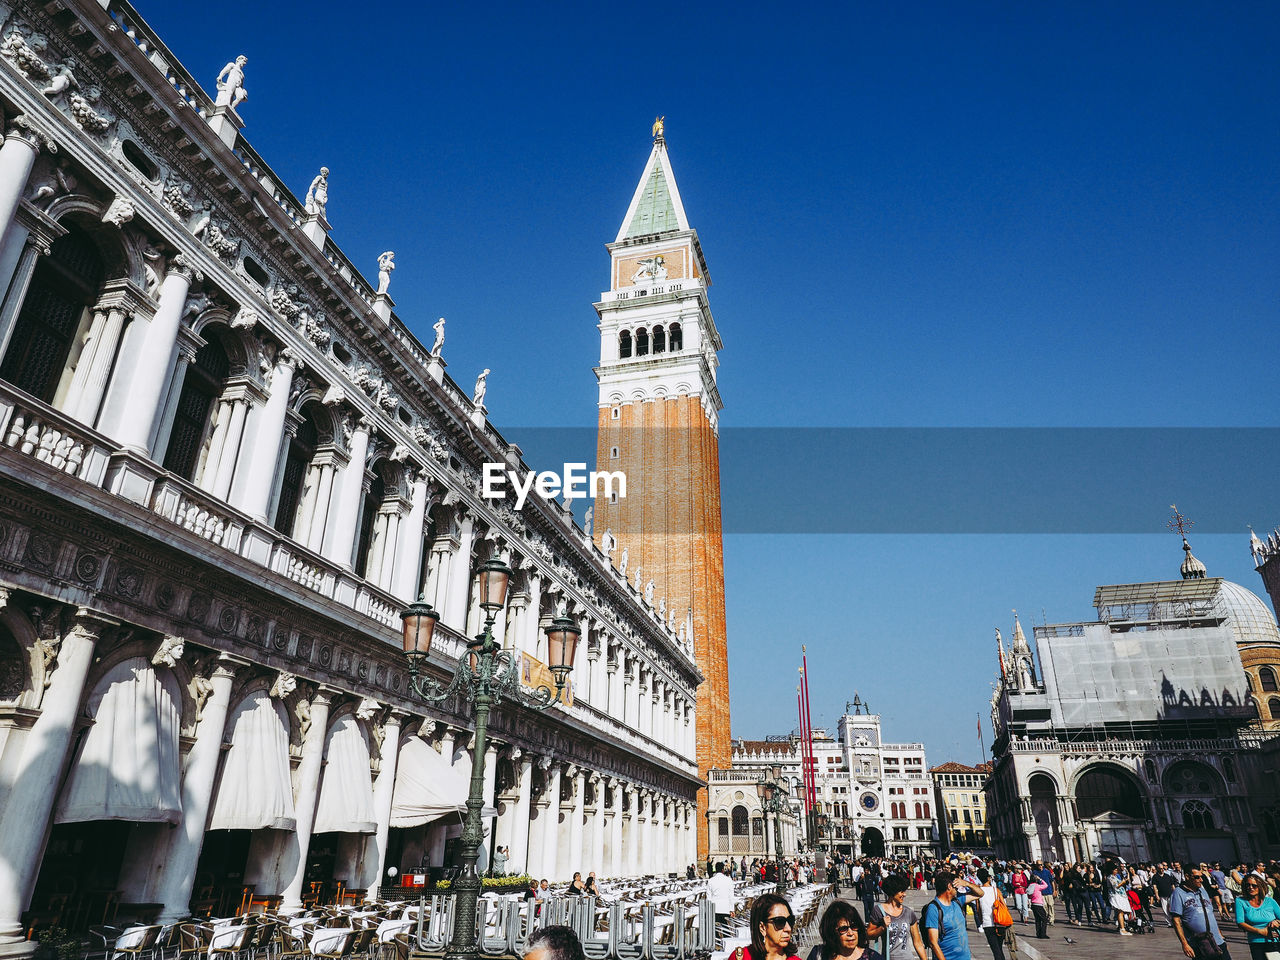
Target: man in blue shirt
[1194,920]
[943,917]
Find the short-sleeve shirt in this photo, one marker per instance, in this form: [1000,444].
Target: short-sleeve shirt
[1258,916]
[1164,885]
[953,934]
[1196,910]
[899,928]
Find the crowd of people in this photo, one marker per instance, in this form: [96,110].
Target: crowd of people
[1196,900]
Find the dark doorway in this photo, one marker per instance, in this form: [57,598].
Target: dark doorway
[872,842]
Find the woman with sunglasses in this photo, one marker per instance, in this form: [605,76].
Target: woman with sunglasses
[1259,916]
[844,937]
[773,930]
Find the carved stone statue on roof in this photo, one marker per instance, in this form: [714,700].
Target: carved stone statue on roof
[482,385]
[231,91]
[386,263]
[436,347]
[318,194]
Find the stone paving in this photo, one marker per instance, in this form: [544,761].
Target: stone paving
[1091,943]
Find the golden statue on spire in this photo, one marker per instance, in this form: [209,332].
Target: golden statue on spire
[658,123]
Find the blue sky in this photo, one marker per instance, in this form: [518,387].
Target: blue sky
[927,215]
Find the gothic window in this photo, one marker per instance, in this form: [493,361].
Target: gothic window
[642,342]
[1149,767]
[739,821]
[203,384]
[1103,790]
[724,827]
[659,340]
[1267,679]
[676,338]
[757,827]
[302,448]
[624,343]
[1196,815]
[1189,777]
[1229,768]
[63,284]
[1273,705]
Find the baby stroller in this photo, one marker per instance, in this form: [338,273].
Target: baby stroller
[1136,922]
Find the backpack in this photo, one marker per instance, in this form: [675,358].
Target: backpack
[942,921]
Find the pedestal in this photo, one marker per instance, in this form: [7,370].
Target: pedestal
[478,415]
[382,305]
[316,228]
[435,369]
[226,123]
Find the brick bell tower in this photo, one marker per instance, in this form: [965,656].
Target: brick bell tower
[659,423]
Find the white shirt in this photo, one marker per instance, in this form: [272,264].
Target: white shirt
[720,893]
[988,905]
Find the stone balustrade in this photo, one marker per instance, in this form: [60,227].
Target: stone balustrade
[34,430]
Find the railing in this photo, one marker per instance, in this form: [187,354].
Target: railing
[1202,746]
[48,436]
[133,27]
[631,931]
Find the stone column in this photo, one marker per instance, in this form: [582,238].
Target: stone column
[314,518]
[294,868]
[89,382]
[220,470]
[455,612]
[597,824]
[615,828]
[25,824]
[502,829]
[520,860]
[340,545]
[551,829]
[613,698]
[438,563]
[632,861]
[383,790]
[574,847]
[197,794]
[488,823]
[150,374]
[409,553]
[17,157]
[256,481]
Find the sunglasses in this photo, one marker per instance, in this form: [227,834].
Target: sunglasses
[780,923]
[843,929]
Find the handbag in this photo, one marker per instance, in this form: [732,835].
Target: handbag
[1000,915]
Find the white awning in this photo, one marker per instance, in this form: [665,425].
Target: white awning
[256,791]
[427,787]
[346,788]
[128,766]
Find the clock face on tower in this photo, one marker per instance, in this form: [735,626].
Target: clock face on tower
[869,801]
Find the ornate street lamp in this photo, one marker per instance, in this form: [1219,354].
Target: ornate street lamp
[484,675]
[771,802]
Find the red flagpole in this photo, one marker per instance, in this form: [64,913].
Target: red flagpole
[808,723]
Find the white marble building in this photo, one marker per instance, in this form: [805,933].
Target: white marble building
[876,794]
[1136,733]
[225,466]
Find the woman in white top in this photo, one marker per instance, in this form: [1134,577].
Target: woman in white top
[986,914]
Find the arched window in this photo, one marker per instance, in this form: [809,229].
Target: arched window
[1267,679]
[1190,777]
[1149,767]
[1196,815]
[203,383]
[676,338]
[1273,705]
[642,342]
[1229,769]
[739,821]
[1103,789]
[302,448]
[659,340]
[624,343]
[927,814]
[757,827]
[63,284]
[723,826]
[919,812]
